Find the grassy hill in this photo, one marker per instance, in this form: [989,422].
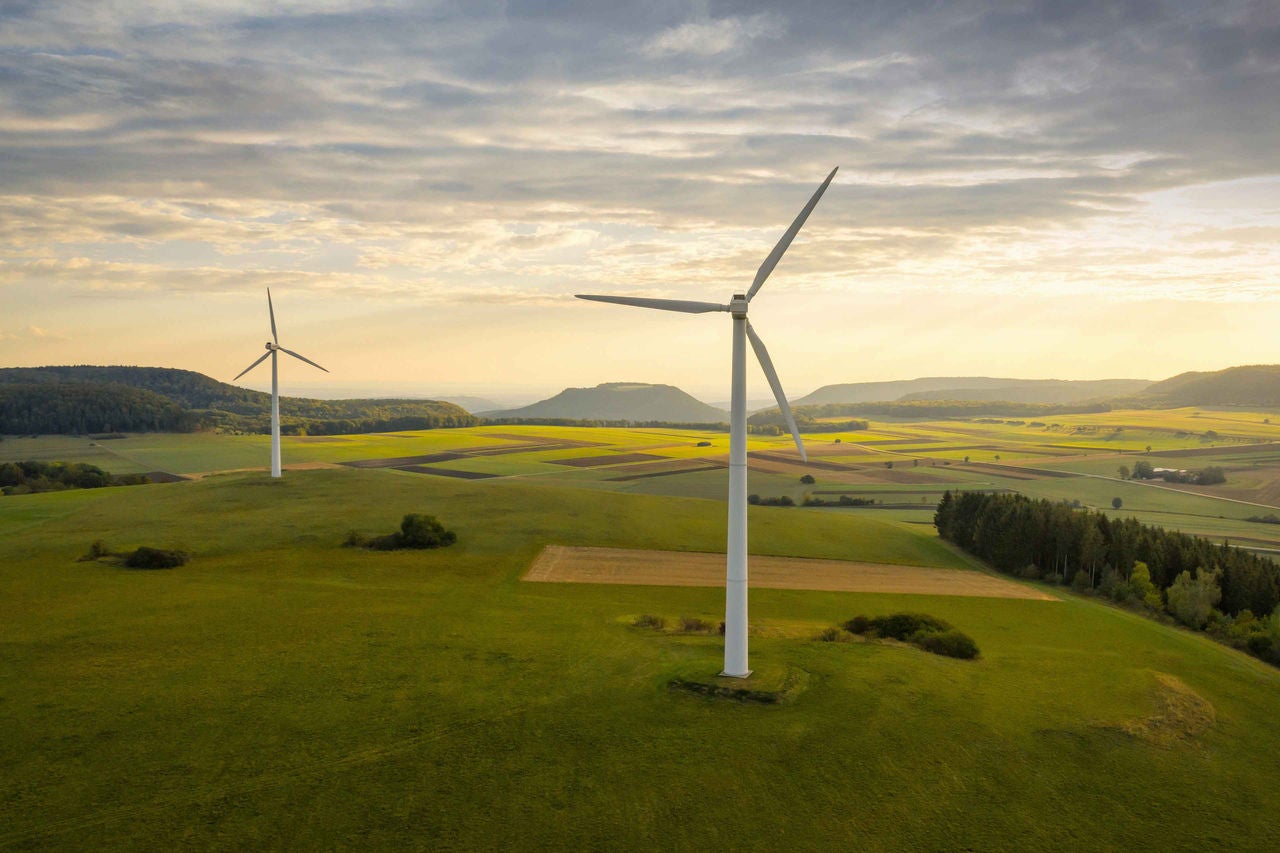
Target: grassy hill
[984,388]
[88,398]
[1248,385]
[620,401]
[280,691]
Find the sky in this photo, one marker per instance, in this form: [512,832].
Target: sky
[1034,189]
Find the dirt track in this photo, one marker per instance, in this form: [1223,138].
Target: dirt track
[560,564]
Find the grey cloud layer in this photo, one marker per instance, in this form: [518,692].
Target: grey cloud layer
[399,127]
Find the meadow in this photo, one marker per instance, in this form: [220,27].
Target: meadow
[281,691]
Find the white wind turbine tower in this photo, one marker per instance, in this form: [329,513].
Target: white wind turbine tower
[273,347]
[735,609]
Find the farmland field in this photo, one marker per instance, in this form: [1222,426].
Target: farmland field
[280,691]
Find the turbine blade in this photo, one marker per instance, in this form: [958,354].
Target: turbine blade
[261,359]
[272,311]
[661,304]
[301,357]
[766,364]
[776,255]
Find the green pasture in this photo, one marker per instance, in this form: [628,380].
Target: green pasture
[282,692]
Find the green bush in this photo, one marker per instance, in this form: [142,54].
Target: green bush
[155,558]
[904,626]
[858,625]
[694,625]
[829,635]
[416,531]
[648,620]
[97,550]
[952,644]
[920,629]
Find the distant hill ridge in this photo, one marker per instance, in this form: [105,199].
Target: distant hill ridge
[89,398]
[979,388]
[1246,385]
[620,401]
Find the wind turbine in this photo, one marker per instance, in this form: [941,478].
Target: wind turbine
[735,607]
[273,348]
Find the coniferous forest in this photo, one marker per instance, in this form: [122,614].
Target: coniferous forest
[1228,592]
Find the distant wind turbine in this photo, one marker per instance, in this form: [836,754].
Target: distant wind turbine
[735,609]
[273,347]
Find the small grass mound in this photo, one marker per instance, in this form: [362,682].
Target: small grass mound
[926,632]
[769,684]
[1181,714]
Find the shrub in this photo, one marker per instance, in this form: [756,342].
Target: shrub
[807,479]
[97,550]
[424,531]
[920,629]
[648,620]
[1031,572]
[416,531]
[1116,503]
[693,625]
[953,644]
[829,635]
[703,444]
[155,558]
[858,625]
[904,626]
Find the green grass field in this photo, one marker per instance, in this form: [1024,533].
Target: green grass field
[282,692]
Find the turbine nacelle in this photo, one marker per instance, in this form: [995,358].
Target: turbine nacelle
[738,305]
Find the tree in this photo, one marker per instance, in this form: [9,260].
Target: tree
[807,479]
[1123,471]
[425,531]
[1143,470]
[1116,503]
[1191,599]
[1141,587]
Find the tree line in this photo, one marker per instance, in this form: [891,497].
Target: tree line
[1225,590]
[24,478]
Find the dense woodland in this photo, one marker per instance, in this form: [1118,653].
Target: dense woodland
[89,399]
[1218,588]
[78,408]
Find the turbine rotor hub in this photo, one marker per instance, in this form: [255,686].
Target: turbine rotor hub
[272,347]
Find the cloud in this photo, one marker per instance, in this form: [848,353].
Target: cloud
[711,37]
[480,149]
[31,334]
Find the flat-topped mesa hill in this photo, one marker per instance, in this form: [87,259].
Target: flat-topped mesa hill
[975,388]
[79,399]
[637,402]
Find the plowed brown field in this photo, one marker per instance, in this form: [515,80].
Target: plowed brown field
[561,564]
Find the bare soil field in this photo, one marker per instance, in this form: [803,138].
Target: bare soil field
[561,564]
